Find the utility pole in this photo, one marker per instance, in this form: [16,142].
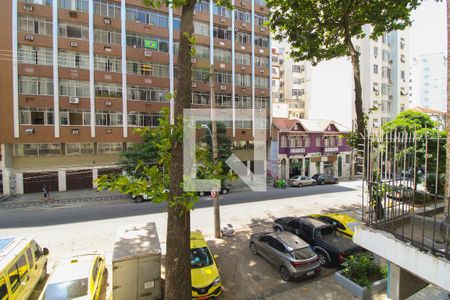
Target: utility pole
[214,195]
[447,125]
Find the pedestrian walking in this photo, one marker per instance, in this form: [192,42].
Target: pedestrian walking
[45,193]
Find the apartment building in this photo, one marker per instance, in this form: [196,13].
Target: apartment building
[80,75]
[289,81]
[429,81]
[384,67]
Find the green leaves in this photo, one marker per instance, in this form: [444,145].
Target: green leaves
[362,269]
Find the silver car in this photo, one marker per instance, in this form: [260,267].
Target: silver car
[300,181]
[292,256]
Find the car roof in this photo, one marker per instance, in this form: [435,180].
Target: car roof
[316,223]
[10,247]
[197,240]
[73,268]
[290,240]
[343,218]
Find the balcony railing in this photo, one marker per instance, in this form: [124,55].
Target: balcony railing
[402,193]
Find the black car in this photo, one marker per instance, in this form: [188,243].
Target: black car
[331,246]
[324,178]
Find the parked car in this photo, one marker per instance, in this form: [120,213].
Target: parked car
[23,264]
[288,253]
[332,247]
[224,189]
[343,223]
[300,181]
[77,277]
[325,178]
[206,283]
[144,197]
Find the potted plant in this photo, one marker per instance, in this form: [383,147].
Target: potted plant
[362,276]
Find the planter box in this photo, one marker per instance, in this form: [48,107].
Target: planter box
[359,291]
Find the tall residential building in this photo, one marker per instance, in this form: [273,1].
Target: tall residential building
[78,76]
[289,81]
[429,81]
[384,75]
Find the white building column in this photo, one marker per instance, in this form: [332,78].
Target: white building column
[62,185]
[19,183]
[15,71]
[56,120]
[91,68]
[303,166]
[123,43]
[94,177]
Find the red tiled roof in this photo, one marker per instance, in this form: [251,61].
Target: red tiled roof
[283,124]
[427,110]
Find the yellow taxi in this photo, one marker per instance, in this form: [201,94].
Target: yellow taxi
[205,276]
[343,223]
[78,277]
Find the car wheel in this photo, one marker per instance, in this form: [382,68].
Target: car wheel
[138,199]
[314,183]
[224,191]
[201,194]
[253,249]
[278,229]
[43,274]
[323,258]
[299,185]
[284,273]
[336,181]
[322,182]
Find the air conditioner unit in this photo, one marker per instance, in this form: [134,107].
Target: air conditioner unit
[377,93]
[73,44]
[244,24]
[223,20]
[28,7]
[222,66]
[75,131]
[193,60]
[262,29]
[194,84]
[29,131]
[222,43]
[261,92]
[147,53]
[108,131]
[73,14]
[245,3]
[108,103]
[107,49]
[242,47]
[223,87]
[29,37]
[261,71]
[107,21]
[242,68]
[74,100]
[261,50]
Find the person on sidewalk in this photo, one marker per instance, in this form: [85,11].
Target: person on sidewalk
[45,192]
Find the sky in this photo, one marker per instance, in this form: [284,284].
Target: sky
[428,34]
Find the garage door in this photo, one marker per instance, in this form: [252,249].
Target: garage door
[33,181]
[79,179]
[108,171]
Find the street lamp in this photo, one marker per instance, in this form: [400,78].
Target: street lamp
[207,127]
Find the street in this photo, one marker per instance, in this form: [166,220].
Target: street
[69,231]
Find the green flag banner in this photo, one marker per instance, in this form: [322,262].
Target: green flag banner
[150,44]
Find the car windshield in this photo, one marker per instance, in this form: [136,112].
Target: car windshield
[200,257]
[303,253]
[353,225]
[67,290]
[325,231]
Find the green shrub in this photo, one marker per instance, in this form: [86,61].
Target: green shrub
[362,269]
[431,183]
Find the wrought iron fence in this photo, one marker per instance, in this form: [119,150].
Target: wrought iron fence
[404,182]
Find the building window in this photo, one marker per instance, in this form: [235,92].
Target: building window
[202,6]
[36,116]
[39,2]
[340,141]
[200,74]
[261,41]
[200,98]
[108,63]
[147,68]
[318,142]
[222,32]
[74,31]
[221,11]
[108,118]
[242,101]
[143,119]
[202,51]
[375,51]
[106,89]
[260,20]
[298,92]
[223,77]
[243,15]
[79,148]
[35,86]
[147,94]
[35,55]
[136,40]
[107,9]
[201,28]
[262,82]
[37,149]
[298,69]
[243,37]
[385,55]
[145,16]
[402,75]
[78,5]
[242,58]
[298,80]
[283,141]
[223,100]
[35,25]
[261,102]
[71,59]
[74,117]
[74,88]
[107,37]
[307,141]
[109,148]
[375,69]
[222,55]
[347,159]
[243,79]
[262,62]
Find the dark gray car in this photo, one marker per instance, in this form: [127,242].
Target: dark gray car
[292,256]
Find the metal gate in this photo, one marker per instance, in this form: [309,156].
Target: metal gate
[403,190]
[79,179]
[33,182]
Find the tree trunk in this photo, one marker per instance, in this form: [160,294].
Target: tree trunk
[178,261]
[447,183]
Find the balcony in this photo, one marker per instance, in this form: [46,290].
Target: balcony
[293,151]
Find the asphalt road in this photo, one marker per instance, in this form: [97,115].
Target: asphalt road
[34,217]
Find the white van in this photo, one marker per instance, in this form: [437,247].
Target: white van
[23,263]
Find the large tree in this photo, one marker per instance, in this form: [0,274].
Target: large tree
[323,29]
